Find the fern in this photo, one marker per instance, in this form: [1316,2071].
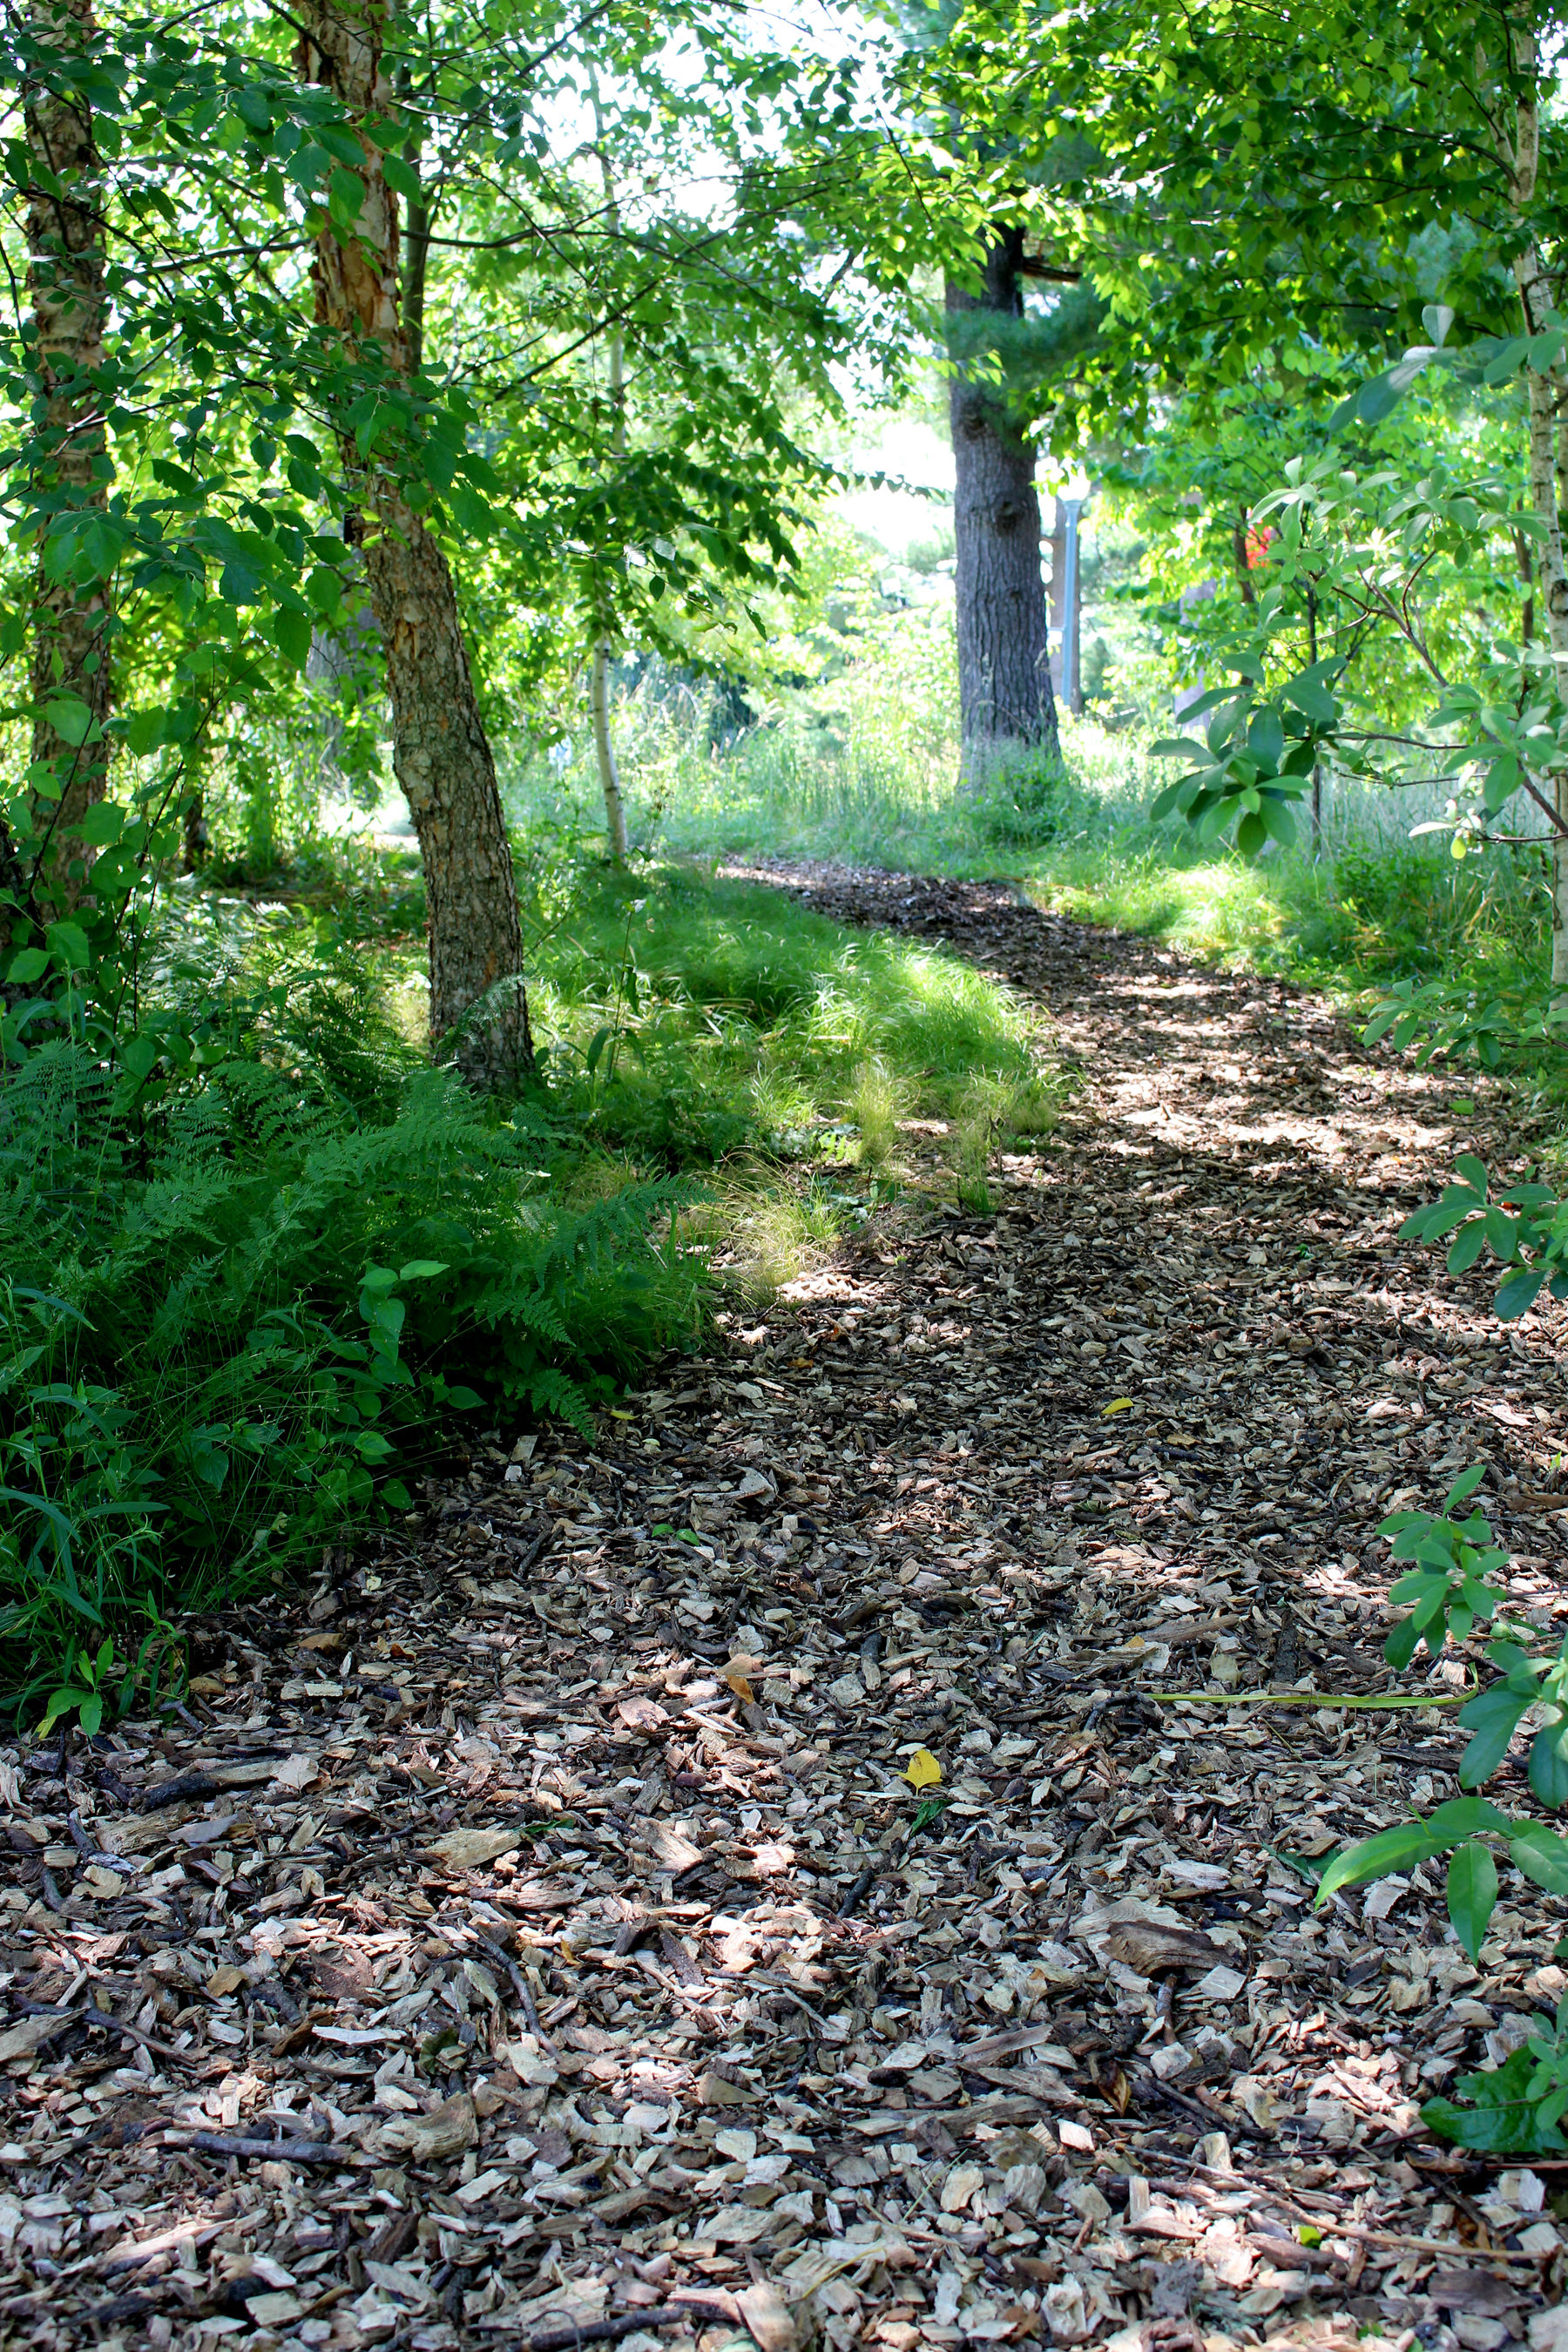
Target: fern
[196,1401]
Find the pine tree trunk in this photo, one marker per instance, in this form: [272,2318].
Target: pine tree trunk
[1004,662]
[64,280]
[441,752]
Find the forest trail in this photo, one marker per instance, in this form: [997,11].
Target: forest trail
[548,1887]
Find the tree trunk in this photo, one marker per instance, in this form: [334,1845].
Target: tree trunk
[65,279]
[604,751]
[1522,158]
[440,750]
[604,741]
[417,231]
[1003,661]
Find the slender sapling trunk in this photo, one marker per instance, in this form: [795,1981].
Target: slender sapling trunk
[1521,157]
[64,281]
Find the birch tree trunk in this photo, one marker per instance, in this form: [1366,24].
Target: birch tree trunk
[1004,660]
[1522,158]
[64,281]
[603,740]
[605,752]
[440,750]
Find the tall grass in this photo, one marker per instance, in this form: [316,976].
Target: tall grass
[868,769]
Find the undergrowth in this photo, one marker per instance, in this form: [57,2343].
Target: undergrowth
[868,771]
[231,1326]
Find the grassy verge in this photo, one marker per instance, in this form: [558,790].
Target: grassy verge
[809,1069]
[877,780]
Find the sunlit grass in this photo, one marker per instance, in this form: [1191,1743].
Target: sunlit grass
[878,782]
[723,1027]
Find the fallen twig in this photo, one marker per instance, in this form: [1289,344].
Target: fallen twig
[283,2151]
[627,2322]
[88,2015]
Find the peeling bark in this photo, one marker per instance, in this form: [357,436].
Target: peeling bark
[64,280]
[1521,159]
[441,752]
[1003,664]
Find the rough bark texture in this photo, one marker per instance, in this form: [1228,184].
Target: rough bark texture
[440,750]
[64,281]
[1004,663]
[1521,157]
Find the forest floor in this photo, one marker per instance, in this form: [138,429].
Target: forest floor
[528,1936]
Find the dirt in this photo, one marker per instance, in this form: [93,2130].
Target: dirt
[536,1931]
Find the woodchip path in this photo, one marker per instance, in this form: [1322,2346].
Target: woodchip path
[528,1934]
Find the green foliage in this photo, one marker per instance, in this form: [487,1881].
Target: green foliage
[741,1019]
[1523,1225]
[239,1315]
[1515,2109]
[1447,1589]
[1256,760]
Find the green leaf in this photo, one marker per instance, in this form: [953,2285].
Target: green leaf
[1400,1848]
[345,194]
[1464,1485]
[1310,1868]
[1473,1170]
[1279,822]
[102,824]
[69,717]
[1402,1644]
[401,175]
[1466,1817]
[1493,1717]
[68,945]
[1502,2120]
[1543,1855]
[1309,694]
[1467,1246]
[1517,1294]
[291,634]
[1472,1895]
[1548,1767]
[26,966]
[1265,738]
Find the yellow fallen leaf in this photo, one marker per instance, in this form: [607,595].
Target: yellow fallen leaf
[741,1687]
[922,1771]
[1120,1404]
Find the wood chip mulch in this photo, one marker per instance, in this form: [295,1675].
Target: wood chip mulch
[527,1934]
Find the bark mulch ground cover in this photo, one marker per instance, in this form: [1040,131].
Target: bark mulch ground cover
[530,1934]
